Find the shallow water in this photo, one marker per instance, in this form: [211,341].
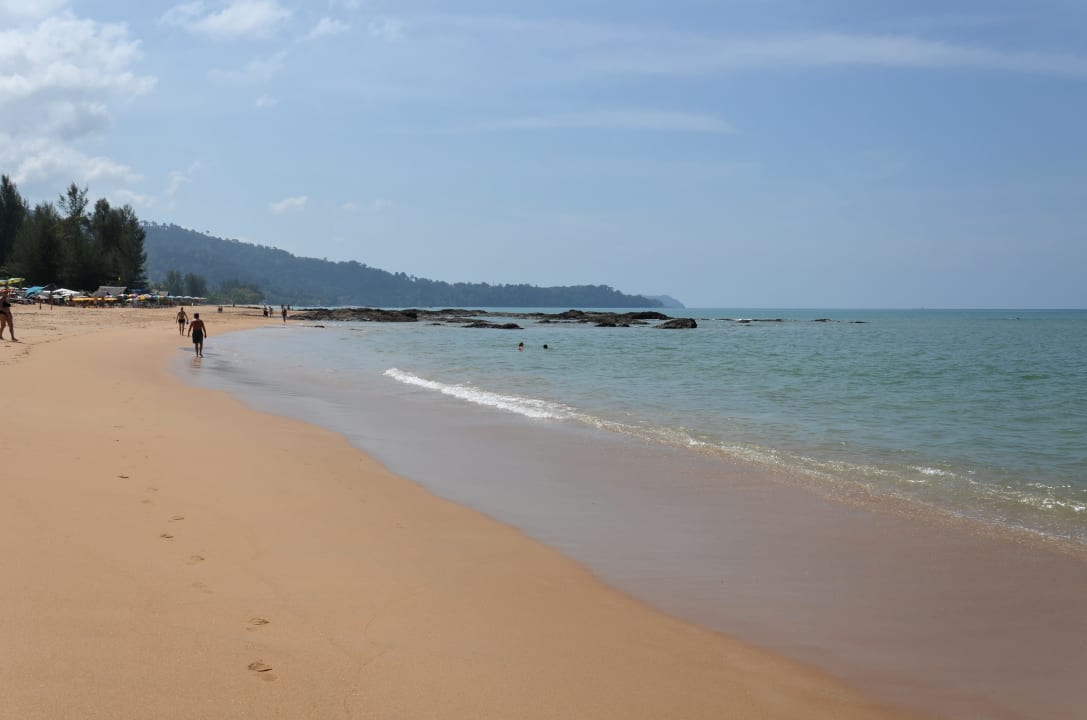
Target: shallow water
[976,413]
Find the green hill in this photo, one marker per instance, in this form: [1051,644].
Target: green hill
[287,279]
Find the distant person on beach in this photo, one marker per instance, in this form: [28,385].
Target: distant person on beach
[284,311]
[182,320]
[520,346]
[198,333]
[6,319]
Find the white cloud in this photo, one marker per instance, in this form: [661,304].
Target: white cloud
[374,206]
[124,196]
[327,27]
[286,204]
[267,101]
[43,160]
[257,70]
[618,120]
[386,28]
[69,58]
[617,48]
[701,55]
[258,18]
[14,12]
[176,180]
[60,79]
[183,15]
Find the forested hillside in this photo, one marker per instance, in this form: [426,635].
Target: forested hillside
[286,279]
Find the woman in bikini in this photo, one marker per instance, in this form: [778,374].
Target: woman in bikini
[6,319]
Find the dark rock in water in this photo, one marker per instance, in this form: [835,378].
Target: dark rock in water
[678,324]
[822,320]
[358,315]
[493,326]
[474,318]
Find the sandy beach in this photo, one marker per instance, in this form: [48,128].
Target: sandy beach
[169,553]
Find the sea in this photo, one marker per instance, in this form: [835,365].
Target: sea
[973,414]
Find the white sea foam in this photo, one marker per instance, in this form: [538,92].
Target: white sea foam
[932,472]
[527,406]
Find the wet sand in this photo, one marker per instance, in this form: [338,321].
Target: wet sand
[169,553]
[910,607]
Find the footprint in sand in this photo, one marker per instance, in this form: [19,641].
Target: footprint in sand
[194,559]
[257,622]
[175,518]
[262,669]
[166,536]
[202,587]
[123,477]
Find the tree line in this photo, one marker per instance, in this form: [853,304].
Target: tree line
[70,243]
[74,245]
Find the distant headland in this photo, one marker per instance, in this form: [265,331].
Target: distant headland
[283,278]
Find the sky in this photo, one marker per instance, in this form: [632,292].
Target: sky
[729,153]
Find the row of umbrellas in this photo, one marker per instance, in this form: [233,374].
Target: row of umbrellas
[52,292]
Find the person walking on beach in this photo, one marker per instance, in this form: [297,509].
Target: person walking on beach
[198,332]
[182,319]
[6,318]
[284,311]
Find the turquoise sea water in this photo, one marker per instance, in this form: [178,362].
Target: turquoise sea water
[980,413]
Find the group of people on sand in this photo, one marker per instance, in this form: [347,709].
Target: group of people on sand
[269,312]
[196,330]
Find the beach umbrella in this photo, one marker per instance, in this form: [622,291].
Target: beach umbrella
[11,281]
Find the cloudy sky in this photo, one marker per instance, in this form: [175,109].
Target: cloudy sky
[738,153]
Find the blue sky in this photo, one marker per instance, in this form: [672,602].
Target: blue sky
[780,153]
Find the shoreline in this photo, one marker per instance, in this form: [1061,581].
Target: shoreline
[912,608]
[173,553]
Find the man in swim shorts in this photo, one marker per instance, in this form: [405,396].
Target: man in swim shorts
[198,332]
[182,318]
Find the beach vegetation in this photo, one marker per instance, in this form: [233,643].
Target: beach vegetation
[71,243]
[13,212]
